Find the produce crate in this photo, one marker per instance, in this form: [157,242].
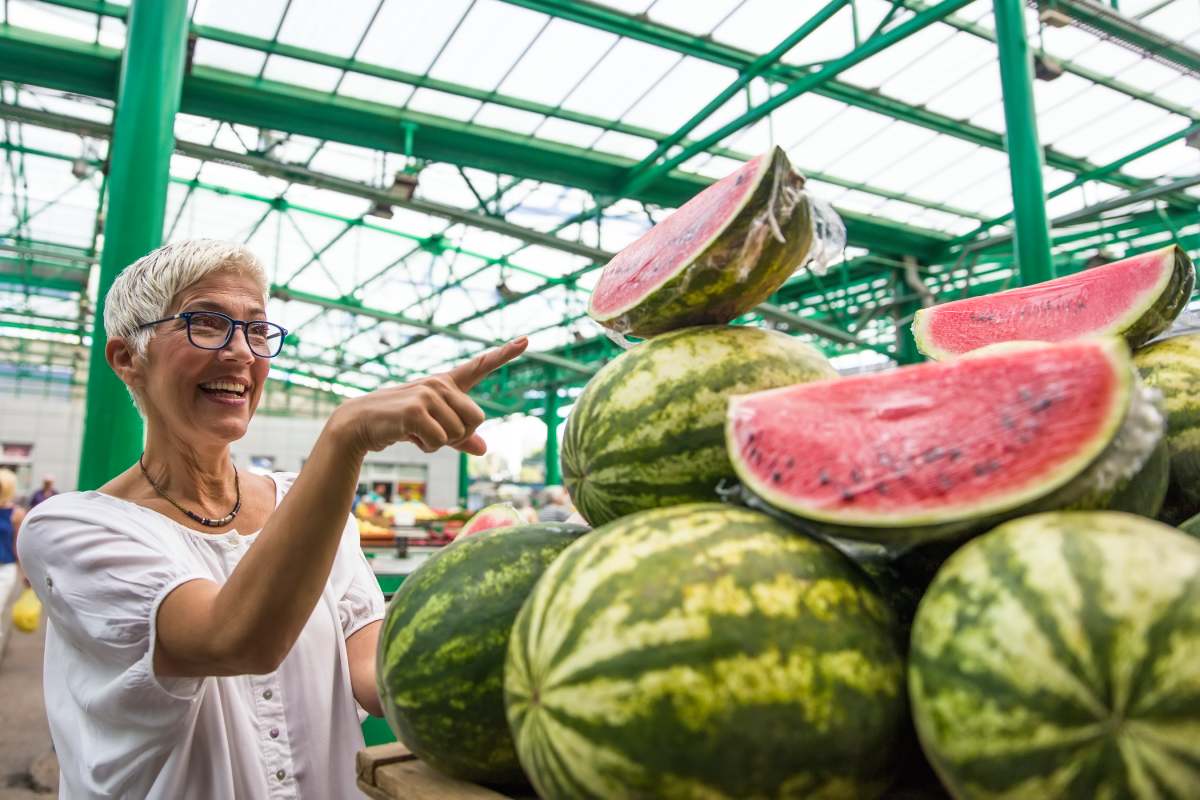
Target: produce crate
[390,772]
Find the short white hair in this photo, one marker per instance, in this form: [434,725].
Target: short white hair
[144,291]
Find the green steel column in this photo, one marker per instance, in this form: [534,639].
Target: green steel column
[1021,141]
[464,480]
[553,471]
[143,138]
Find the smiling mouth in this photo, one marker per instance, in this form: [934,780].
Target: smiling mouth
[223,389]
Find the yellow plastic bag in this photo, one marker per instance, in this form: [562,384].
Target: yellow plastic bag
[26,611]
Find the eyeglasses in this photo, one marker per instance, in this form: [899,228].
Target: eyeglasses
[212,330]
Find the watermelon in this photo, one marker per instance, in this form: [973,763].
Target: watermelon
[1059,657]
[704,651]
[1173,367]
[497,515]
[942,449]
[716,257]
[647,431]
[1137,298]
[441,651]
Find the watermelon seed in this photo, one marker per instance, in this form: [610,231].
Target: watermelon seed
[931,455]
[955,454]
[1007,422]
[791,462]
[1043,404]
[847,496]
[855,476]
[777,477]
[945,481]
[1024,394]
[750,438]
[823,477]
[881,487]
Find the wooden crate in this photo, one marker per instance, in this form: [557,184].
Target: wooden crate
[391,772]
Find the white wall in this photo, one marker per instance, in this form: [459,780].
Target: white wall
[54,427]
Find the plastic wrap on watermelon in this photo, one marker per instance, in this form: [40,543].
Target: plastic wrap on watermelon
[720,254]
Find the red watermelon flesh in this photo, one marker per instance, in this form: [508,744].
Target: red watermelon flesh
[936,442]
[1137,297]
[498,515]
[652,259]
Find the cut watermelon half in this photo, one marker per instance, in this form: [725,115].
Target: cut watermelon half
[1137,298]
[497,515]
[717,256]
[934,444]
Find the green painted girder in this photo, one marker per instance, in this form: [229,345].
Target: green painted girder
[46,60]
[1077,70]
[641,29]
[1110,23]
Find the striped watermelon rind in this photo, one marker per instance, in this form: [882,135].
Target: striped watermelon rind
[442,648]
[648,430]
[1173,367]
[1059,657]
[704,651]
[765,240]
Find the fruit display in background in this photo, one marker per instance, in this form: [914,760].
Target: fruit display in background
[714,258]
[1173,367]
[442,648]
[1137,298]
[648,430]
[940,449]
[497,515]
[704,651]
[1058,656]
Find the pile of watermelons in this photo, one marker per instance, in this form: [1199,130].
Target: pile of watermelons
[940,579]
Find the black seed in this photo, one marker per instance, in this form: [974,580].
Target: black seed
[955,454]
[777,477]
[1024,394]
[931,455]
[980,469]
[750,438]
[847,496]
[1043,404]
[823,477]
[1007,422]
[855,476]
[791,462]
[881,487]
[945,481]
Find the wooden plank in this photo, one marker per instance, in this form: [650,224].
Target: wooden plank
[391,772]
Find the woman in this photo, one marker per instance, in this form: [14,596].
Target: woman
[212,633]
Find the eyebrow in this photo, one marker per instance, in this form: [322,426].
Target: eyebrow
[209,305]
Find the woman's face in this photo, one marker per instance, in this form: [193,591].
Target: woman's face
[178,379]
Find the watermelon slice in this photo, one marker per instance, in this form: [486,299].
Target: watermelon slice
[931,450]
[497,515]
[717,256]
[1137,298]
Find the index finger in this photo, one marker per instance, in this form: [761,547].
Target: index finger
[466,376]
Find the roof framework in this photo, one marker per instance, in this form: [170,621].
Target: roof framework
[544,135]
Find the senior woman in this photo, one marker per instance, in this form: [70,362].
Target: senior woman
[212,634]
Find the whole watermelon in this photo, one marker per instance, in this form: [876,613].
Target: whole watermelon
[1058,656]
[648,430]
[1173,367]
[704,651]
[441,652]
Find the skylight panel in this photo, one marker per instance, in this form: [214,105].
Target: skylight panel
[833,39]
[1184,90]
[79,25]
[694,16]
[226,56]
[491,39]
[259,18]
[1106,150]
[758,25]
[1173,159]
[561,130]
[682,92]
[1148,74]
[556,61]
[376,90]
[443,104]
[310,24]
[718,167]
[407,36]
[620,79]
[112,33]
[899,57]
[1107,58]
[622,144]
[302,73]
[1134,120]
[1175,20]
[628,6]
[976,90]
[954,60]
[327,201]
[1095,103]
[494,115]
[880,151]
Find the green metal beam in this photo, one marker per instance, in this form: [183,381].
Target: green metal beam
[641,29]
[1024,152]
[1116,26]
[151,74]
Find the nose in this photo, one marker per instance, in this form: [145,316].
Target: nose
[238,347]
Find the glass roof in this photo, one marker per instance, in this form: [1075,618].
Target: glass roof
[911,136]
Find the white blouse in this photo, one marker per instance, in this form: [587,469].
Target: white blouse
[101,567]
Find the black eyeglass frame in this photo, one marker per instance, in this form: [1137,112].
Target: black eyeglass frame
[234,324]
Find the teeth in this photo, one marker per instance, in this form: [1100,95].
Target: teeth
[227,386]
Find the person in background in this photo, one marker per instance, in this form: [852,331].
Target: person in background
[10,517]
[556,508]
[45,493]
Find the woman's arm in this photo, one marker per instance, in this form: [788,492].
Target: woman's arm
[249,624]
[360,649]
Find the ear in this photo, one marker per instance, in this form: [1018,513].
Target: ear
[121,358]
